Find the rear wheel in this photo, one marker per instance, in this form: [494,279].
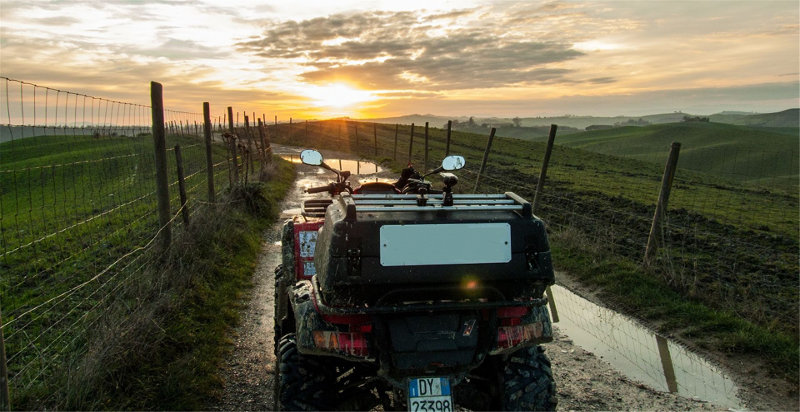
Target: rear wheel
[528,382]
[303,383]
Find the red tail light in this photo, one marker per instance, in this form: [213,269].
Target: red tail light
[510,336]
[346,343]
[512,315]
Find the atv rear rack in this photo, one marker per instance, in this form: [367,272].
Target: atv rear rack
[397,308]
[372,203]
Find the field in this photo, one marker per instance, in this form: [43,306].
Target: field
[761,156]
[78,219]
[728,247]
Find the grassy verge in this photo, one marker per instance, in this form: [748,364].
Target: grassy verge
[163,339]
[635,291]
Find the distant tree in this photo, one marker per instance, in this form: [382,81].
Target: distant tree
[695,119]
[517,122]
[471,121]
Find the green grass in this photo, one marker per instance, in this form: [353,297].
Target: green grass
[71,206]
[180,371]
[641,293]
[740,153]
[160,342]
[731,248]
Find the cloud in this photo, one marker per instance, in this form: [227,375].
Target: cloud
[391,50]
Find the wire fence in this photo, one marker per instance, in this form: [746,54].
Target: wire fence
[77,214]
[728,242]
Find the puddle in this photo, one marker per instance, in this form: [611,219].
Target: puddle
[639,353]
[356,167]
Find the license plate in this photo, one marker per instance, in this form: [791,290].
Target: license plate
[429,395]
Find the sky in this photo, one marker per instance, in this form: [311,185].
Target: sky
[320,59]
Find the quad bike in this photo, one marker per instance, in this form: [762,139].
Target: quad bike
[409,297]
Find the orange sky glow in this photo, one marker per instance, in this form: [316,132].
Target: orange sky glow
[314,60]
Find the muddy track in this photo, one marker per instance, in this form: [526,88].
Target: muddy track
[583,381]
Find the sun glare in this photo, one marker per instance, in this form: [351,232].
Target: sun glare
[337,95]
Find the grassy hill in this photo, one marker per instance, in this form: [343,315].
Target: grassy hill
[746,154]
[786,118]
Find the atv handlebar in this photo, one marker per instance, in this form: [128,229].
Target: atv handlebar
[320,189]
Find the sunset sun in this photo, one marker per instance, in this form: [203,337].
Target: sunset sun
[337,95]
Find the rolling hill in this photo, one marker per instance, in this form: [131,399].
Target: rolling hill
[747,154]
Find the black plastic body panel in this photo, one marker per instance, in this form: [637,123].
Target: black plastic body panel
[348,254]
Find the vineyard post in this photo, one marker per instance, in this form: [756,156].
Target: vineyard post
[447,146]
[233,146]
[249,134]
[410,142]
[209,159]
[5,399]
[485,159]
[181,184]
[551,302]
[276,126]
[357,142]
[543,174]
[375,135]
[666,364]
[396,129]
[426,147]
[663,199]
[266,155]
[306,130]
[160,148]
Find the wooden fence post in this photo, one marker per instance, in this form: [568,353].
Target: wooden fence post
[485,159]
[666,364]
[181,184]
[543,174]
[375,134]
[663,199]
[5,397]
[233,145]
[160,148]
[251,136]
[266,150]
[410,142]
[394,153]
[447,146]
[306,130]
[209,158]
[426,148]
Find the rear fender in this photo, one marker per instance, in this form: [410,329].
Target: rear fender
[308,320]
[533,329]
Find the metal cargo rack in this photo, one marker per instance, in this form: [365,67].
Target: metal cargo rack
[371,203]
[314,207]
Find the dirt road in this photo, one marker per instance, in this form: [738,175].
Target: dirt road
[583,381]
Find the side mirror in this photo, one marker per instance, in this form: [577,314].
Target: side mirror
[453,162]
[311,157]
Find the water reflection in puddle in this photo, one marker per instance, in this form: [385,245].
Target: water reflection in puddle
[358,167]
[640,354]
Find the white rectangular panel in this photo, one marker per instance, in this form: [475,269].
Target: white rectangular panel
[445,244]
